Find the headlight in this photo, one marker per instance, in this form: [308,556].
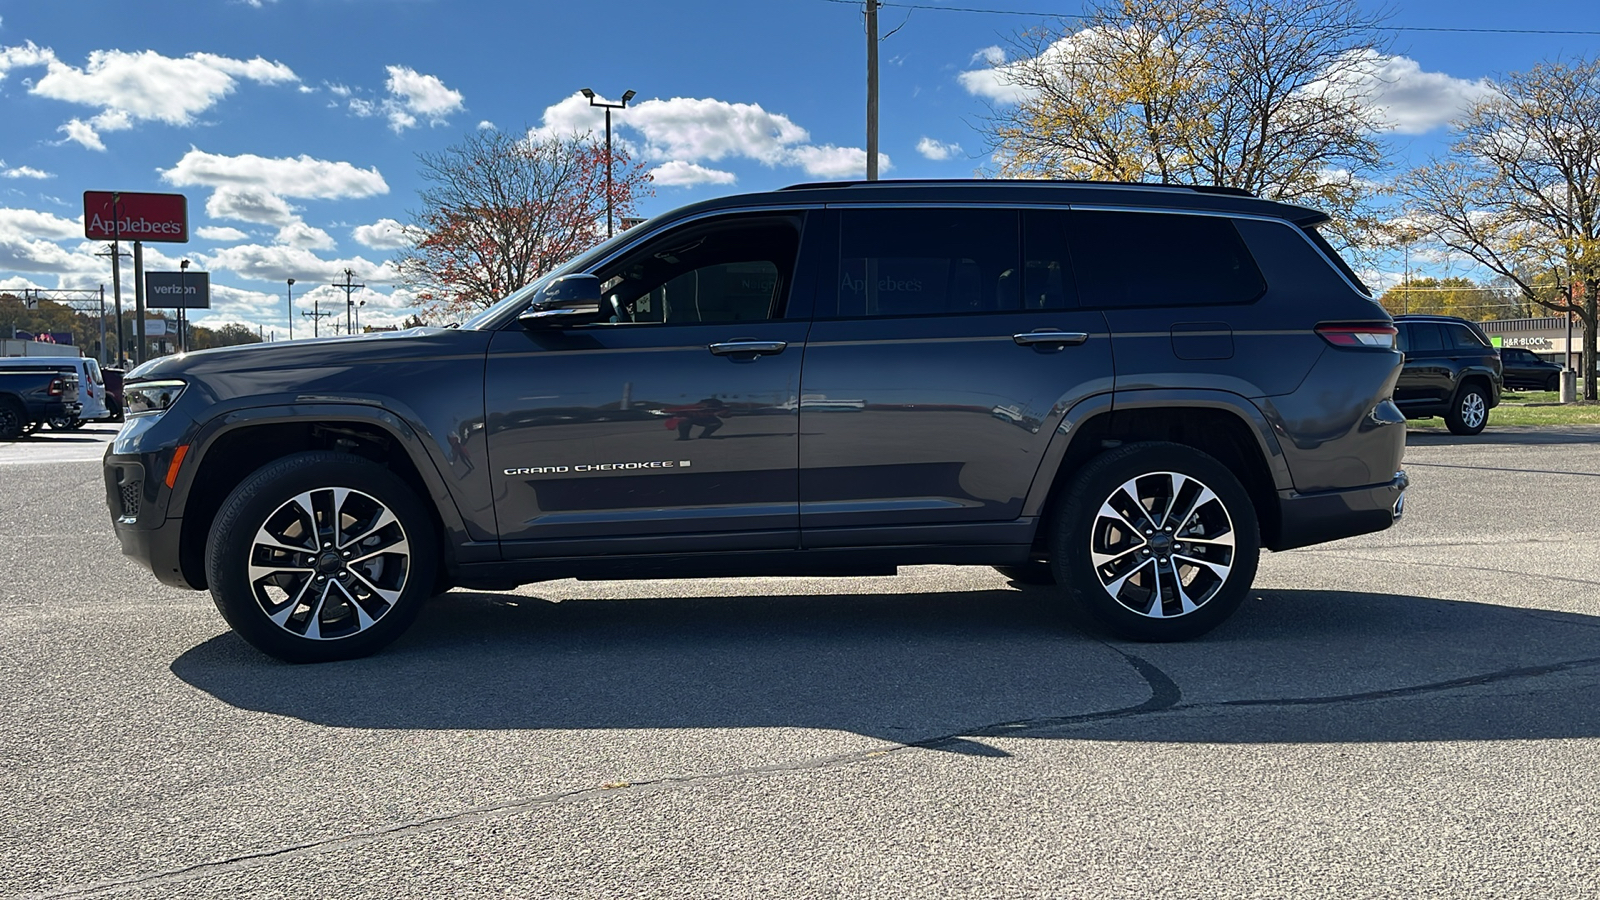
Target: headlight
[150,398]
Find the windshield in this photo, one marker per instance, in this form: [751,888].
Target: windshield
[519,297]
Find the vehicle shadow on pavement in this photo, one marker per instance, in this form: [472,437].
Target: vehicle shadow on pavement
[1292,666]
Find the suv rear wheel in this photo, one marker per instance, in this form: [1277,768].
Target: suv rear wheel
[321,556]
[13,419]
[1470,411]
[1157,541]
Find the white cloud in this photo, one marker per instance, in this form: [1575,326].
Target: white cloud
[684,131]
[249,204]
[1407,99]
[135,87]
[23,56]
[937,150]
[276,263]
[306,237]
[837,162]
[31,223]
[220,233]
[300,176]
[678,173]
[337,90]
[84,133]
[486,125]
[414,95]
[23,172]
[384,234]
[993,54]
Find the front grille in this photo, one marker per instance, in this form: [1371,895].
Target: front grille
[130,498]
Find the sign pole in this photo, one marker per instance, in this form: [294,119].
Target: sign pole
[116,296]
[103,325]
[138,300]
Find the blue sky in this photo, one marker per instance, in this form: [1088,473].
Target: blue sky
[293,125]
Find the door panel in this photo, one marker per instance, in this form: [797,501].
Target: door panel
[942,359]
[938,420]
[675,417]
[617,431]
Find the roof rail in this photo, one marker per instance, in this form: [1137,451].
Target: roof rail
[1195,188]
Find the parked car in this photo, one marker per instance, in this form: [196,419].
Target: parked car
[1194,375]
[1451,370]
[1525,370]
[91,386]
[31,396]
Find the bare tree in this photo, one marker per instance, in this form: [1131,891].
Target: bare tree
[502,209]
[1264,95]
[1519,190]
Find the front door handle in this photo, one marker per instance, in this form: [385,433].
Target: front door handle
[741,347]
[1064,338]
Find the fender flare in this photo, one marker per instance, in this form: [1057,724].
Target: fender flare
[1070,428]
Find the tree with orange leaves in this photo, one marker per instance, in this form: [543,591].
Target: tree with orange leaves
[502,209]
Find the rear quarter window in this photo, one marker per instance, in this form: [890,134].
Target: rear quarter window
[1125,259]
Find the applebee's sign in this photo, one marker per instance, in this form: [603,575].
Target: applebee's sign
[129,216]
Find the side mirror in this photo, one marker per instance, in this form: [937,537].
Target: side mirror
[566,300]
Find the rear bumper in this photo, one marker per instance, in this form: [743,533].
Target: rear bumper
[1308,519]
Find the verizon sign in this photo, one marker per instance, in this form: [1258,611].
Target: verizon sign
[128,216]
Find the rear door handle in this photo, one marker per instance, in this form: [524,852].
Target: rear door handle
[739,347]
[1065,338]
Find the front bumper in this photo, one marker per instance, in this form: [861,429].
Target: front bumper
[1306,519]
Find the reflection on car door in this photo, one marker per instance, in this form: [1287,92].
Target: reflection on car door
[674,419]
[939,365]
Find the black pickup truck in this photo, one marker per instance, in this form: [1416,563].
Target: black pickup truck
[31,397]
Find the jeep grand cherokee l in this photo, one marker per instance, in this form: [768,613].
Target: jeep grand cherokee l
[800,382]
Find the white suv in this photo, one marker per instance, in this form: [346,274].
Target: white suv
[91,384]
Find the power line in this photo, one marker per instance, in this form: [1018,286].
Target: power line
[1055,15]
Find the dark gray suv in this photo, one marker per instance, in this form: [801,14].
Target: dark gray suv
[1124,390]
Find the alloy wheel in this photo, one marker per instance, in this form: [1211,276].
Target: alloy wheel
[329,563]
[1473,409]
[1162,545]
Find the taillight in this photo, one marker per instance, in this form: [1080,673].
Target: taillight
[56,387]
[1378,336]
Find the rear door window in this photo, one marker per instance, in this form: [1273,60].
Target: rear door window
[1124,259]
[924,262]
[1421,337]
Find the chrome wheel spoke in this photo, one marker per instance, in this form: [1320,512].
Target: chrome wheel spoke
[363,620]
[281,617]
[258,572]
[314,621]
[1103,559]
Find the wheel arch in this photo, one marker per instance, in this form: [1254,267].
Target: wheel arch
[1225,426]
[228,450]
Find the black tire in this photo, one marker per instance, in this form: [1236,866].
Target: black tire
[1033,572]
[1469,411]
[376,599]
[13,419]
[115,408]
[63,423]
[1553,383]
[1130,559]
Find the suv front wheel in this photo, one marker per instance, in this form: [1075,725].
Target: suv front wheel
[321,556]
[1157,541]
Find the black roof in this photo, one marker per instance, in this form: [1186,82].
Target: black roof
[1019,192]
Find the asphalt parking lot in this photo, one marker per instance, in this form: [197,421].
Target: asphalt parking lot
[1412,713]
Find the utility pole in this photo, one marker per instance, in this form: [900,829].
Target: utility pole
[349,291]
[291,309]
[116,295]
[316,315]
[872,90]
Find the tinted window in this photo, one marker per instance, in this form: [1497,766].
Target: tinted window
[1158,259]
[919,262]
[1419,336]
[1046,265]
[1462,338]
[728,271]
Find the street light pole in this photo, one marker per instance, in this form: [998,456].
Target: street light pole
[183,306]
[608,107]
[291,309]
